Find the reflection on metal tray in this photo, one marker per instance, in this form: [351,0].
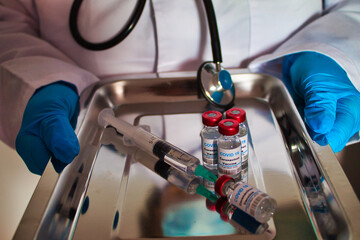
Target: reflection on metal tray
[107,194]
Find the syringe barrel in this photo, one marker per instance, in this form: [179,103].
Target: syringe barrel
[173,176]
[140,137]
[176,157]
[183,181]
[152,144]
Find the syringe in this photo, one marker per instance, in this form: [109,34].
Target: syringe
[154,145]
[189,184]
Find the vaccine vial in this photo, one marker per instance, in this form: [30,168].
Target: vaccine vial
[209,136]
[229,149]
[254,202]
[239,115]
[241,221]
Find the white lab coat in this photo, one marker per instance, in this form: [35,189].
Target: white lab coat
[36,47]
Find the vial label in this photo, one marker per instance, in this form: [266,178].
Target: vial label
[244,148]
[246,198]
[210,151]
[229,161]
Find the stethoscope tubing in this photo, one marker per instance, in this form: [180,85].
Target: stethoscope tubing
[130,25]
[214,33]
[121,35]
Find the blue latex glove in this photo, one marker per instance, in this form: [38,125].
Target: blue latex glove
[47,128]
[326,98]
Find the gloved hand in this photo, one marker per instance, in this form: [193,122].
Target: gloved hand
[326,98]
[47,128]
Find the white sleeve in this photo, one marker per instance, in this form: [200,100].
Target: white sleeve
[335,34]
[26,63]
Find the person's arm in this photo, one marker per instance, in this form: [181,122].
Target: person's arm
[326,98]
[327,45]
[334,35]
[27,63]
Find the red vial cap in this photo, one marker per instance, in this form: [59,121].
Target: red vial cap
[228,127]
[224,217]
[211,118]
[237,114]
[220,183]
[220,204]
[210,205]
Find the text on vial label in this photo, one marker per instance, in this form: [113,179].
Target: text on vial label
[244,148]
[246,197]
[210,151]
[230,160]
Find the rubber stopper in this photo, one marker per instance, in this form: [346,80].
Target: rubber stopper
[228,127]
[219,184]
[211,118]
[237,114]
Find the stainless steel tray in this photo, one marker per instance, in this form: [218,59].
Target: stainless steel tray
[106,194]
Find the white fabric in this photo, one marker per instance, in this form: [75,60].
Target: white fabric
[36,47]
[335,35]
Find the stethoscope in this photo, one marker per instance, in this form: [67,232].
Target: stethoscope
[215,82]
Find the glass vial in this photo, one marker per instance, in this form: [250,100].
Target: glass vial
[257,204]
[241,221]
[229,149]
[209,136]
[239,115]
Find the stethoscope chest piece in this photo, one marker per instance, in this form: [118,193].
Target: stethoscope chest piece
[216,85]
